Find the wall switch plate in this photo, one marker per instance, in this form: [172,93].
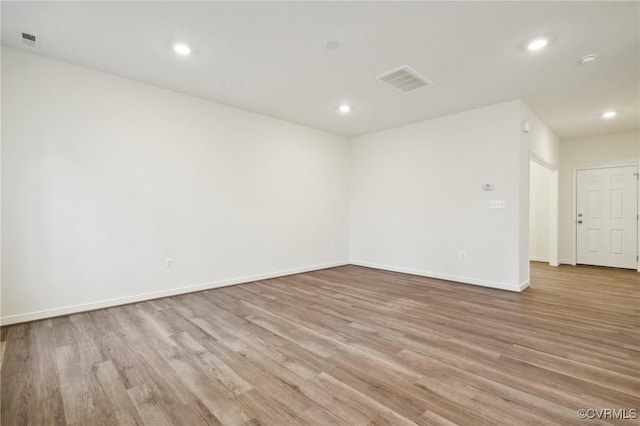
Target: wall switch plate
[496,204]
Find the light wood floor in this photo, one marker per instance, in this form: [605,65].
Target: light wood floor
[345,346]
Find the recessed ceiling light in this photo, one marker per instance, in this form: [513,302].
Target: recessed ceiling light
[538,44]
[181,49]
[609,114]
[344,108]
[588,58]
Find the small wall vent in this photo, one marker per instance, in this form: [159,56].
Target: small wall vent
[29,39]
[404,79]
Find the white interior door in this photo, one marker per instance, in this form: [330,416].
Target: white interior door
[607,217]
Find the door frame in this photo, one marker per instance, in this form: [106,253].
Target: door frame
[574,190]
[554,216]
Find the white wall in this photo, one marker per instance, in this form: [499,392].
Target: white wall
[539,213]
[597,151]
[1,174]
[103,178]
[417,202]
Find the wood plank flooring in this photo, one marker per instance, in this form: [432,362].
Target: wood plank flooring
[342,346]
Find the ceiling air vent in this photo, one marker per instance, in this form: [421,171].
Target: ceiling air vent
[404,79]
[28,39]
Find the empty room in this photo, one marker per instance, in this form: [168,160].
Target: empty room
[323,213]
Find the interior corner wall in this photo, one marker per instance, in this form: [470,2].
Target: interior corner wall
[104,178]
[607,150]
[417,203]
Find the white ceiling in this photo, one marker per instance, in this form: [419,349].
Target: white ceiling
[271,58]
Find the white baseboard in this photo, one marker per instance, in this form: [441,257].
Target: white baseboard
[55,312]
[538,259]
[67,310]
[465,280]
[566,262]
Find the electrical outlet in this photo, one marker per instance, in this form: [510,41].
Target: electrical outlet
[168,263]
[463,255]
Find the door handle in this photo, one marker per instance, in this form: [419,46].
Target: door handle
[580,221]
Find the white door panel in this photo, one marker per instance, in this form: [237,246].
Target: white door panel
[607,209]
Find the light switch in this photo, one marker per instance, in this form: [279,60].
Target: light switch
[496,204]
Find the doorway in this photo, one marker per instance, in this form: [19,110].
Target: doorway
[543,212]
[607,217]
[539,213]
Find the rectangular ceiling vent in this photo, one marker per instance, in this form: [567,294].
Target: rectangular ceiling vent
[404,79]
[29,39]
